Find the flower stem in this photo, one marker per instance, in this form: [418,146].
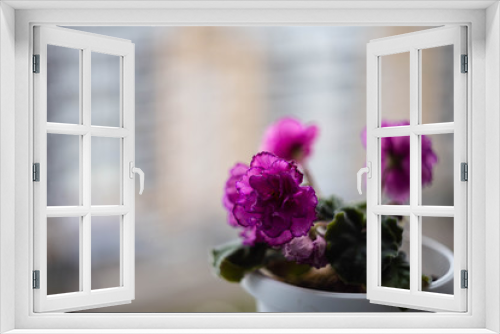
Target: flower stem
[310,180]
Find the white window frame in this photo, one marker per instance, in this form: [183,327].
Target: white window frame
[86,44]
[16,216]
[413,44]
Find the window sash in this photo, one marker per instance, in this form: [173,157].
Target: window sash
[86,297]
[413,43]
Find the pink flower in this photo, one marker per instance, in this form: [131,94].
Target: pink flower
[396,163]
[307,251]
[290,139]
[271,201]
[230,193]
[248,234]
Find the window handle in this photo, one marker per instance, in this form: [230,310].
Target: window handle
[368,170]
[134,170]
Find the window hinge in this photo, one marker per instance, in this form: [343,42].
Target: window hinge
[36,279]
[464,172]
[36,172]
[36,63]
[465,64]
[464,279]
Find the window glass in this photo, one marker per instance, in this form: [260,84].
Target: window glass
[63,84]
[437,263]
[437,169]
[395,170]
[395,88]
[106,90]
[394,261]
[437,84]
[63,255]
[63,170]
[106,171]
[106,243]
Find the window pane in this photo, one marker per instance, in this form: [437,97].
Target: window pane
[106,172]
[105,252]
[395,261]
[63,85]
[395,88]
[395,170]
[437,84]
[105,90]
[437,259]
[63,170]
[437,169]
[63,255]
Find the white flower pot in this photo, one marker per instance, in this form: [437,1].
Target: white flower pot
[275,296]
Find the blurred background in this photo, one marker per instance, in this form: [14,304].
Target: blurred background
[204,97]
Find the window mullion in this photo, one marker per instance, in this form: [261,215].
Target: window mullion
[67,211]
[67,129]
[434,129]
[434,211]
[415,168]
[109,210]
[420,129]
[391,210]
[396,131]
[81,222]
[103,131]
[85,245]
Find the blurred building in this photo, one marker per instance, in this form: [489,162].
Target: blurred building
[209,116]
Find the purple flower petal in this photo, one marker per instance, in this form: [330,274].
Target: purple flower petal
[231,194]
[283,238]
[290,139]
[306,251]
[270,204]
[263,160]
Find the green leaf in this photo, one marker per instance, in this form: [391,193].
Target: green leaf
[346,245]
[233,261]
[397,274]
[392,237]
[326,208]
[360,206]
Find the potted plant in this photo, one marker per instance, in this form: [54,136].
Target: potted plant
[303,252]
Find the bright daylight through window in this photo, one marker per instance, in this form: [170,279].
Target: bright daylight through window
[250,139]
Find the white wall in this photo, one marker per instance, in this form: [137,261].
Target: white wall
[7,159]
[492,163]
